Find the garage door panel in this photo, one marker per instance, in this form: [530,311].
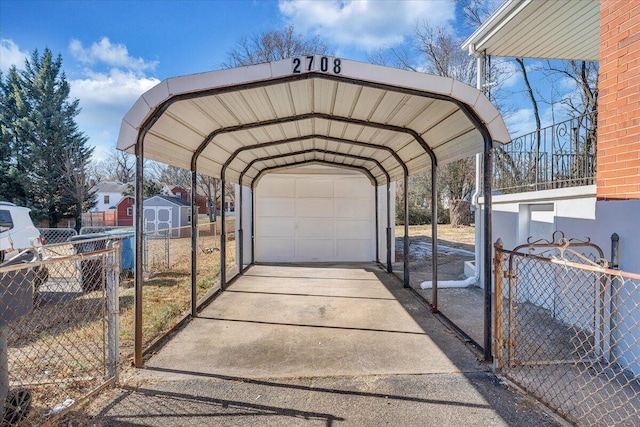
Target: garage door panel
[355,250]
[277,187]
[352,208]
[276,207]
[314,208]
[314,250]
[277,227]
[315,218]
[352,188]
[275,250]
[315,228]
[353,229]
[314,188]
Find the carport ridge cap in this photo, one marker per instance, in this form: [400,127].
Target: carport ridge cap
[272,73]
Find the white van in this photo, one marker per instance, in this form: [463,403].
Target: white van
[17,231]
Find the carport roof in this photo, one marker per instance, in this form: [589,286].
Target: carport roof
[239,123]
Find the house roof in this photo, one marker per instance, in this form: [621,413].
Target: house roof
[238,124]
[110,187]
[175,200]
[550,29]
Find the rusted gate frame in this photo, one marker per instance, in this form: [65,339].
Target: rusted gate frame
[502,342]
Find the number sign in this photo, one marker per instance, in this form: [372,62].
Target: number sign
[324,64]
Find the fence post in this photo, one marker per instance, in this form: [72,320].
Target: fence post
[615,251]
[498,319]
[166,247]
[113,310]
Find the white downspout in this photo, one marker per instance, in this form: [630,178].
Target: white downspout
[480,77]
[474,200]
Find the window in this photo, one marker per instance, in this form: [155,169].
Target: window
[6,223]
[106,199]
[129,211]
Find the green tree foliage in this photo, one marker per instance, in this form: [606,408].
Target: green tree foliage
[48,155]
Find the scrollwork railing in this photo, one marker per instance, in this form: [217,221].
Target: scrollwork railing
[558,156]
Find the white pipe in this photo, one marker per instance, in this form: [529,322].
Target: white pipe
[476,193]
[469,281]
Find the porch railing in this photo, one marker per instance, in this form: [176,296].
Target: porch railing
[558,156]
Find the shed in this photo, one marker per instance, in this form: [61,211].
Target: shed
[165,212]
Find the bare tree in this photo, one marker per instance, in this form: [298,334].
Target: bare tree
[273,45]
[442,55]
[119,166]
[76,184]
[209,187]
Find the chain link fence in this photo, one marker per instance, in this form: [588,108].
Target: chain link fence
[167,277]
[57,235]
[58,328]
[567,330]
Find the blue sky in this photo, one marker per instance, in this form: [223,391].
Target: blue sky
[113,51]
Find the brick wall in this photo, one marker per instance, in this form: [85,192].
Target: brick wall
[618,171]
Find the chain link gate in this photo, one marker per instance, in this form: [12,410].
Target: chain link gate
[58,329]
[567,329]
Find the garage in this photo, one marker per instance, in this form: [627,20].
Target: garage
[315,217]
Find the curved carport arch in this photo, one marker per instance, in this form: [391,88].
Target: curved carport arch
[196,122]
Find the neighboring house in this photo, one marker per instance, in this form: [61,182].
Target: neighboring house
[108,194]
[166,212]
[125,212]
[185,194]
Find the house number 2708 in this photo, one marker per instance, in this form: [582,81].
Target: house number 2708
[324,64]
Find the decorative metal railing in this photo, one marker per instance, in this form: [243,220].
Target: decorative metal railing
[558,156]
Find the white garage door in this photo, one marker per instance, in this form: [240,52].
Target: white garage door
[315,218]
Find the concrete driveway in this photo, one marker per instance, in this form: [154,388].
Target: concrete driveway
[316,345]
[310,321]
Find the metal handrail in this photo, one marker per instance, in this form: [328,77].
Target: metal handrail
[558,156]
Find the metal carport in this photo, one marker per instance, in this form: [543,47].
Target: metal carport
[238,124]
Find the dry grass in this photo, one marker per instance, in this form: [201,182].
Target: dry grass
[167,292]
[460,235]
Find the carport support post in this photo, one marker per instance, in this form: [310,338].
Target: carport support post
[486,243]
[194,245]
[253,226]
[240,239]
[389,265]
[137,301]
[434,237]
[377,225]
[406,230]
[223,239]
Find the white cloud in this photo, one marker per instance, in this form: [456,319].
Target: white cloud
[520,122]
[10,54]
[113,55]
[508,74]
[364,24]
[105,99]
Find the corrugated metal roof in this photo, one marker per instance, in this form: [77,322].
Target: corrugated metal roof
[237,123]
[551,29]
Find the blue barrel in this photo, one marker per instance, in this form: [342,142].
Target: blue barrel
[126,239]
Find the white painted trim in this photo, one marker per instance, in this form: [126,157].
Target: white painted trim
[544,195]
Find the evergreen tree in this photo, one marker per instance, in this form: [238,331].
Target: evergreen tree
[12,173]
[48,146]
